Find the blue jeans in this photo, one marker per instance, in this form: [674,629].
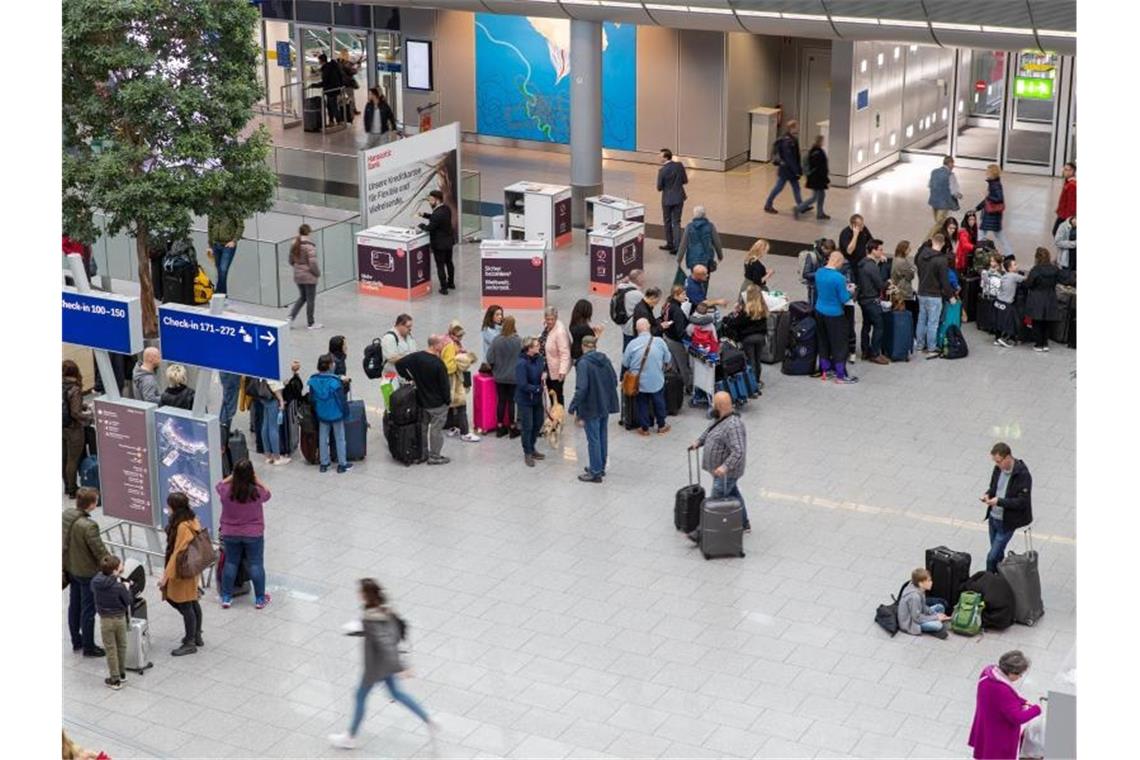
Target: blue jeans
[230,385]
[397,693]
[253,549]
[323,446]
[531,417]
[597,442]
[81,614]
[816,200]
[650,405]
[223,257]
[270,430]
[781,180]
[726,486]
[933,626]
[999,539]
[929,314]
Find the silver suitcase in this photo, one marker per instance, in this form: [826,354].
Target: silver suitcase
[138,646]
[1025,580]
[722,527]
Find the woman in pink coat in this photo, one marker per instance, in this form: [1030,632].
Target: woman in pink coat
[1000,711]
[555,343]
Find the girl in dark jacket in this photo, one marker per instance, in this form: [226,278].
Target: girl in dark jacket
[993,208]
[382,630]
[818,179]
[530,384]
[177,393]
[1041,298]
[748,325]
[673,312]
[337,352]
[950,232]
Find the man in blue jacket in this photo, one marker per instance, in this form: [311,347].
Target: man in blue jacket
[789,170]
[330,405]
[671,181]
[595,399]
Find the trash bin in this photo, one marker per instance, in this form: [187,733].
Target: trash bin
[311,114]
[499,227]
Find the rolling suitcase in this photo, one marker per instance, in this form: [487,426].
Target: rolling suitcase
[776,341]
[138,646]
[802,350]
[722,528]
[898,335]
[403,405]
[674,393]
[237,449]
[242,582]
[485,403]
[984,316]
[949,570]
[405,442]
[687,506]
[1025,580]
[629,412]
[355,433]
[1059,332]
[971,292]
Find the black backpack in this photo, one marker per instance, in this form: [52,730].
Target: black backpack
[374,358]
[998,596]
[955,346]
[402,406]
[617,305]
[887,615]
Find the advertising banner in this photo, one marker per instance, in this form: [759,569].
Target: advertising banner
[513,273]
[123,438]
[189,460]
[394,263]
[563,233]
[398,175]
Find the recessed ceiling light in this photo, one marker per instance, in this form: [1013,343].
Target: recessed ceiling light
[880,59]
[897,51]
[859,156]
[910,130]
[863,66]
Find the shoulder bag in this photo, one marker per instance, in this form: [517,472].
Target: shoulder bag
[198,555]
[632,380]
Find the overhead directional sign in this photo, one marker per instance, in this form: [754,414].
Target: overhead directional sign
[102,321]
[235,343]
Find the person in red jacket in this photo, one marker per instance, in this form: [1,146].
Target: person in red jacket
[967,240]
[1067,203]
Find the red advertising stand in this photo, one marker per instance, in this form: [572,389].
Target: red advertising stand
[393,262]
[513,273]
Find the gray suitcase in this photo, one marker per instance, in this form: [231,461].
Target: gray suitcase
[776,341]
[722,528]
[138,646]
[1020,570]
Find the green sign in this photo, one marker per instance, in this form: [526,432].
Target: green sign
[1033,88]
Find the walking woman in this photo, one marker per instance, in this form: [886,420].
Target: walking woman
[378,116]
[993,209]
[503,358]
[242,530]
[818,179]
[1041,298]
[382,630]
[1000,711]
[76,417]
[306,273]
[181,593]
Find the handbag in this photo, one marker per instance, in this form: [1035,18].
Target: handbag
[198,555]
[631,382]
[993,207]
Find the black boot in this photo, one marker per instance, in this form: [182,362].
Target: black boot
[186,648]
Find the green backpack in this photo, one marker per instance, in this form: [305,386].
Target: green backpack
[967,618]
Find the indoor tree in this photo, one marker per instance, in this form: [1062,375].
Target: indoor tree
[157,95]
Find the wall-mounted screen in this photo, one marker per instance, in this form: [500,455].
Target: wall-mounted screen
[417,69]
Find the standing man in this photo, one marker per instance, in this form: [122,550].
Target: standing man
[944,192]
[649,356]
[332,85]
[632,292]
[223,231]
[870,285]
[1067,203]
[330,405]
[933,287]
[671,181]
[441,236]
[595,399]
[645,310]
[700,245]
[144,378]
[853,241]
[1008,500]
[83,550]
[833,324]
[398,342]
[433,392]
[697,288]
[726,449]
[788,168]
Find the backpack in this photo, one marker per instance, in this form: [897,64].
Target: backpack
[179,256]
[618,311]
[955,347]
[66,409]
[257,389]
[887,615]
[203,287]
[374,358]
[967,618]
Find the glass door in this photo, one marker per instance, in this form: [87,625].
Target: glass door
[389,76]
[979,104]
[1032,109]
[281,64]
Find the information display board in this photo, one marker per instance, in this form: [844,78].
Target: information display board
[103,321]
[616,249]
[513,273]
[188,453]
[240,344]
[124,434]
[394,262]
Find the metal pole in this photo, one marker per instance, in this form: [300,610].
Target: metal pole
[206,376]
[585,116]
[102,359]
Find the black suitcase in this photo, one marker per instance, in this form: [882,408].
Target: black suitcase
[178,285]
[311,114]
[949,570]
[355,432]
[629,412]
[722,527]
[971,292]
[236,449]
[405,442]
[674,393]
[687,506]
[984,314]
[1059,333]
[402,405]
[732,360]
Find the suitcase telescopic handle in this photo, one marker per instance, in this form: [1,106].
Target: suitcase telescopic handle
[693,454]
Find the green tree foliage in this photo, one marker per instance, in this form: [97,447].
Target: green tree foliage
[157,95]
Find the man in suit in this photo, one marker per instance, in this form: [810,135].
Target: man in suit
[671,181]
[442,239]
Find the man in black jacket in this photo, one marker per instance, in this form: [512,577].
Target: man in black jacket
[433,392]
[788,168]
[870,284]
[1008,500]
[933,288]
[332,85]
[671,181]
[442,239]
[646,307]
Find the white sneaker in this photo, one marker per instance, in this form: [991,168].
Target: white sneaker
[342,741]
[452,432]
[471,438]
[315,326]
[282,460]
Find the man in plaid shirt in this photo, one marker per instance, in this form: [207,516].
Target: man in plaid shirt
[726,447]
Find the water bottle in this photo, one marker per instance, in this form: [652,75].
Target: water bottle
[280,416]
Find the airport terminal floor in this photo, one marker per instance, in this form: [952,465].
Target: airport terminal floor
[554,618]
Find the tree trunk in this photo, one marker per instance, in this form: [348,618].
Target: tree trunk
[146,285]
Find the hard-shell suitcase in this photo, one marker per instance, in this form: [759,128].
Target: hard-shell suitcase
[687,505]
[138,646]
[898,335]
[776,341]
[802,351]
[237,449]
[722,528]
[241,581]
[949,570]
[629,412]
[405,442]
[674,393]
[355,432]
[485,401]
[969,295]
[1025,580]
[984,316]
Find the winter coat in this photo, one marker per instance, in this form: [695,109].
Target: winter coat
[329,398]
[902,275]
[644,311]
[221,229]
[941,192]
[181,396]
[861,243]
[700,243]
[869,281]
[457,360]
[818,174]
[306,268]
[489,334]
[381,631]
[1067,203]
[1018,501]
[738,326]
[74,395]
[441,233]
[557,351]
[964,251]
[85,548]
[181,589]
[994,194]
[504,357]
[674,312]
[1041,298]
[429,373]
[528,379]
[999,714]
[383,112]
[595,387]
[145,384]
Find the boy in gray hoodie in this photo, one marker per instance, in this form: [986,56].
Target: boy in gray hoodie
[917,614]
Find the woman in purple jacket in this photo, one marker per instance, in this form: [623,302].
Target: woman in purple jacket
[1000,711]
[242,528]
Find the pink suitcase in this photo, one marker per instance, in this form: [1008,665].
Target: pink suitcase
[486,401]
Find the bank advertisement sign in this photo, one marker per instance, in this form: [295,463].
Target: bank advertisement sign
[513,273]
[395,265]
[123,438]
[189,460]
[398,175]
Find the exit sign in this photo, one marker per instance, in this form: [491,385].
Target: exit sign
[1033,88]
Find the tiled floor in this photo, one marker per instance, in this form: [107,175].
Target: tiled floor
[552,618]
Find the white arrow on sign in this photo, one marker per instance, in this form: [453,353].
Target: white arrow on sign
[268,338]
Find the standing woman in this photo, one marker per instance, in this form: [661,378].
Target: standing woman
[1000,711]
[177,393]
[950,232]
[993,209]
[749,325]
[306,273]
[1041,298]
[181,593]
[458,362]
[555,342]
[491,327]
[675,335]
[580,327]
[755,272]
[242,530]
[76,417]
[903,273]
[832,294]
[382,630]
[818,179]
[530,381]
[503,358]
[967,240]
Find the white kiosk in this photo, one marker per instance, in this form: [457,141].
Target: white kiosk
[765,126]
[606,209]
[513,273]
[616,249]
[393,262]
[538,212]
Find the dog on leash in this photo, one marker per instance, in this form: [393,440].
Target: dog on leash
[555,415]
